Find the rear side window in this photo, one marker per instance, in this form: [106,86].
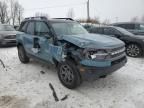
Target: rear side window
[130,26]
[127,26]
[23,27]
[30,28]
[41,29]
[97,30]
[100,30]
[108,31]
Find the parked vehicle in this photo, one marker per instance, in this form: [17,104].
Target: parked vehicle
[134,43]
[7,35]
[77,54]
[16,27]
[88,26]
[133,27]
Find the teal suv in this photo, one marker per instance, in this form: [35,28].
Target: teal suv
[77,54]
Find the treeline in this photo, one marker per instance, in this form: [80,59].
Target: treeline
[11,12]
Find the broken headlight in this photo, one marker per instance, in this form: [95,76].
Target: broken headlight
[100,54]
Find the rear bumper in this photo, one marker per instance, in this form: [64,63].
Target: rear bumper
[90,73]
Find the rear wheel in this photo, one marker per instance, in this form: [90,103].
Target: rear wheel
[133,50]
[69,74]
[22,55]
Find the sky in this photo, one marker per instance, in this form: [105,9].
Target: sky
[113,10]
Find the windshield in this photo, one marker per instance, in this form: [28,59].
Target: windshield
[68,28]
[125,32]
[6,28]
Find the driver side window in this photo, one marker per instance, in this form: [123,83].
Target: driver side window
[41,29]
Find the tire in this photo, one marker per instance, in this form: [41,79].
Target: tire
[133,50]
[69,75]
[22,55]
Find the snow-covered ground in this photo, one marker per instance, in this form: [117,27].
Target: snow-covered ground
[25,86]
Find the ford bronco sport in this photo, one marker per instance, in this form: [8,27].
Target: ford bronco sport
[77,54]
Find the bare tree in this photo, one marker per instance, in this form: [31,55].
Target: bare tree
[70,13]
[14,10]
[20,13]
[3,12]
[94,20]
[39,14]
[135,19]
[106,22]
[97,20]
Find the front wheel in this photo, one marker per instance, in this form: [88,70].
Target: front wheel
[22,55]
[69,74]
[133,50]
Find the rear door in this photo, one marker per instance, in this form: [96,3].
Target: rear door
[28,36]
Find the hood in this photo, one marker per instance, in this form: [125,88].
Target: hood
[93,41]
[137,32]
[139,36]
[4,33]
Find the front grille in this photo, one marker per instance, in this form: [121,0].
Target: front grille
[117,52]
[115,49]
[10,37]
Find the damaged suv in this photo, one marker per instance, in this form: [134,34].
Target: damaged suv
[77,54]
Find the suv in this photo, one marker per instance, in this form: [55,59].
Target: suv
[77,54]
[134,43]
[133,27]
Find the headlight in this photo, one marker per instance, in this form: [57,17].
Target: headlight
[101,54]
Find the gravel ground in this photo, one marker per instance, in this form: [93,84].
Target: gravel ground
[27,86]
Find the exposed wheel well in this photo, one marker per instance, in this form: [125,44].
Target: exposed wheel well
[134,43]
[19,44]
[68,58]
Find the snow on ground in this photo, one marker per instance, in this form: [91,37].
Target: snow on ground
[24,86]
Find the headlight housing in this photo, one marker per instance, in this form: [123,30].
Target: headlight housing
[99,54]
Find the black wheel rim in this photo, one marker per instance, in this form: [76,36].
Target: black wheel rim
[66,74]
[133,50]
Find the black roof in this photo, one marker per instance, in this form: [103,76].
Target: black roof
[59,20]
[49,19]
[127,23]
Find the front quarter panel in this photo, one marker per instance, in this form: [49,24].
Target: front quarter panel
[19,38]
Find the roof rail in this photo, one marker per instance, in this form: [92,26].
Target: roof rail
[40,17]
[65,18]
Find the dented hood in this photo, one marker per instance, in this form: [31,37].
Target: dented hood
[93,41]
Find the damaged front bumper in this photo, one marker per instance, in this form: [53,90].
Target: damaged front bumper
[90,70]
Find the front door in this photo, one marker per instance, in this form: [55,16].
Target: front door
[45,40]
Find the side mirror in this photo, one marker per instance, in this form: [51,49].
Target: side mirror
[47,36]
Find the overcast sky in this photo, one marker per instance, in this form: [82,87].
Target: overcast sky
[121,10]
